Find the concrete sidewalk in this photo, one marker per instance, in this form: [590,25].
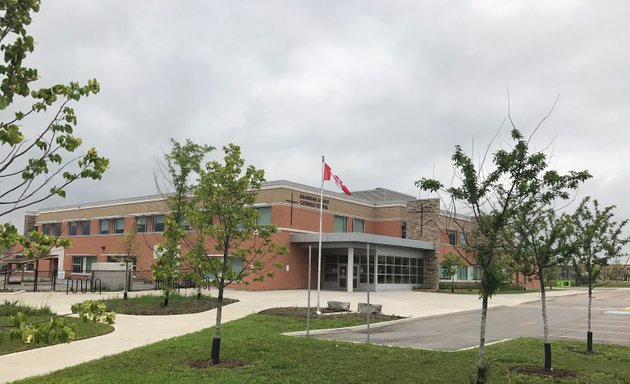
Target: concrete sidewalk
[135,331]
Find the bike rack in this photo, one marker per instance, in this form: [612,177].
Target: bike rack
[96,282]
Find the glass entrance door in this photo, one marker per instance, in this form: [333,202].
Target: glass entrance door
[343,275]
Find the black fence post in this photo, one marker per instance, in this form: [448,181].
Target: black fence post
[36,276]
[53,281]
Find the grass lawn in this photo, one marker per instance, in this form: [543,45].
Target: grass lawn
[152,305]
[615,284]
[254,351]
[83,330]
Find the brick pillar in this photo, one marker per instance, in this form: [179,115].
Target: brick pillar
[422,219]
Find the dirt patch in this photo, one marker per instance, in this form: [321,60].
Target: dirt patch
[327,313]
[205,363]
[299,311]
[152,305]
[540,371]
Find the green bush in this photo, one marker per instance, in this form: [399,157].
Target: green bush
[11,308]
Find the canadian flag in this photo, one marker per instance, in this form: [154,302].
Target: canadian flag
[328,174]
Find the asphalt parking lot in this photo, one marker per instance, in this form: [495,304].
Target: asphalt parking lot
[452,332]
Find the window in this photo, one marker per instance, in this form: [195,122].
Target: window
[158,223]
[452,237]
[46,229]
[74,228]
[400,270]
[264,217]
[463,240]
[476,274]
[57,229]
[403,229]
[141,224]
[119,226]
[362,262]
[85,228]
[235,265]
[358,225]
[82,264]
[104,226]
[341,224]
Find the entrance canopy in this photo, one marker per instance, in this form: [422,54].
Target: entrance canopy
[393,263]
[334,240]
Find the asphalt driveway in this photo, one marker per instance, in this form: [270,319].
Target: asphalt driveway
[451,332]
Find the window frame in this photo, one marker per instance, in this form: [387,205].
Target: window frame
[144,225]
[80,263]
[354,225]
[155,222]
[344,220]
[452,237]
[85,227]
[56,229]
[73,228]
[122,228]
[264,215]
[106,230]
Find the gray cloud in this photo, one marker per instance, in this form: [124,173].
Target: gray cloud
[383,89]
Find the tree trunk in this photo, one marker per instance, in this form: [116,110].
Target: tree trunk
[481,367]
[589,333]
[453,284]
[543,301]
[166,294]
[216,342]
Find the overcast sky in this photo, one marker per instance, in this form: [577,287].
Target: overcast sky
[383,89]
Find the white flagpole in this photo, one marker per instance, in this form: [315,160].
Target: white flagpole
[308,301]
[319,247]
[369,308]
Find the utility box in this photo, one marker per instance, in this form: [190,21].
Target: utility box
[563,283]
[112,275]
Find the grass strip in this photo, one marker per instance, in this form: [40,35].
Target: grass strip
[254,351]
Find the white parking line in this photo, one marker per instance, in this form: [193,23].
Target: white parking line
[490,343]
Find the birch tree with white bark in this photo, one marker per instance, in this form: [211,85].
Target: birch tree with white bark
[491,194]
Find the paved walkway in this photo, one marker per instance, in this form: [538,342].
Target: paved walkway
[131,331]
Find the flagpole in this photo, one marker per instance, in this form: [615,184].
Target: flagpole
[369,308]
[319,247]
[308,301]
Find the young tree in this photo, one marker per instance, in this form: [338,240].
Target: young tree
[450,266]
[130,247]
[196,262]
[492,199]
[228,192]
[541,241]
[37,162]
[597,238]
[182,163]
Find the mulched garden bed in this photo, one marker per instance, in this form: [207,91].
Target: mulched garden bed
[327,313]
